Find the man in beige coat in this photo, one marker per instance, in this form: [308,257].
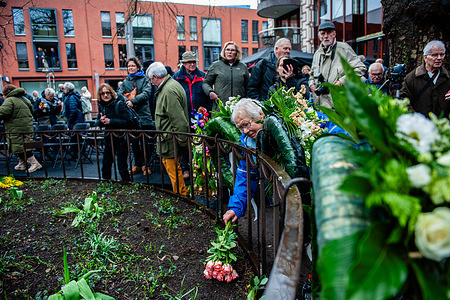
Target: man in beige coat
[327,62]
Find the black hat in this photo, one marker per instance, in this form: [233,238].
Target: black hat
[327,25]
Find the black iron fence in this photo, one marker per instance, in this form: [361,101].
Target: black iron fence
[271,232]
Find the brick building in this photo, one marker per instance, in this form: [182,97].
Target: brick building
[85,42]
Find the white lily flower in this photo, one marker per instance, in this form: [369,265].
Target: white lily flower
[419,175]
[444,160]
[417,130]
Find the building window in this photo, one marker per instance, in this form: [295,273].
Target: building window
[212,40]
[22,56]
[181,50]
[43,23]
[109,56]
[68,22]
[255,31]
[120,24]
[181,36]
[144,53]
[122,56]
[143,28]
[71,56]
[18,20]
[254,50]
[244,52]
[193,28]
[244,31]
[106,23]
[265,26]
[194,49]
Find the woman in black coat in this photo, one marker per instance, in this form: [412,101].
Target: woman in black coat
[113,114]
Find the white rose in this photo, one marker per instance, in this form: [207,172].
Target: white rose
[432,232]
[419,175]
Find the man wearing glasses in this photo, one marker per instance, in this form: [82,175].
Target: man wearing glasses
[428,86]
[376,77]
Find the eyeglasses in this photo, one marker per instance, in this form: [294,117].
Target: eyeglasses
[230,50]
[376,74]
[436,55]
[105,93]
[245,126]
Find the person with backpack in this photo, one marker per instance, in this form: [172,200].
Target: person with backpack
[136,90]
[113,114]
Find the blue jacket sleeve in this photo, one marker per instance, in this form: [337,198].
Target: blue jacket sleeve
[238,201]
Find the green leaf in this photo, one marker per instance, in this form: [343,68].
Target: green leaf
[87,204]
[232,256]
[333,264]
[71,291]
[66,267]
[378,271]
[100,296]
[356,184]
[56,297]
[431,289]
[85,290]
[339,121]
[68,210]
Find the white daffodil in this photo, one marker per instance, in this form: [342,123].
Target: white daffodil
[419,175]
[432,232]
[417,130]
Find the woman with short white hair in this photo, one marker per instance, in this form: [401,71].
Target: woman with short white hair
[86,105]
[47,108]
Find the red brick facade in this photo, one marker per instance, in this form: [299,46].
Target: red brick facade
[89,42]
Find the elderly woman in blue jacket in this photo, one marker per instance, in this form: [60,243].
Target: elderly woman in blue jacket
[248,117]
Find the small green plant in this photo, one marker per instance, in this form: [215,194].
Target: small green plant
[255,285]
[77,289]
[91,209]
[16,193]
[102,247]
[180,295]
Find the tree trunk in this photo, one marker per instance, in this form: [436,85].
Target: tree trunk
[410,25]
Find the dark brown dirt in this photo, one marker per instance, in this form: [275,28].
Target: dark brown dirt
[151,260]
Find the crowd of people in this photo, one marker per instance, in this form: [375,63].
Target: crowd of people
[170,103]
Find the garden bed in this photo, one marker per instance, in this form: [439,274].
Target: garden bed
[146,244]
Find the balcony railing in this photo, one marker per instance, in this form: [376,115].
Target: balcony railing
[271,235]
[268,37]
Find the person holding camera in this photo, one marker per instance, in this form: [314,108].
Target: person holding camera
[428,86]
[287,77]
[327,67]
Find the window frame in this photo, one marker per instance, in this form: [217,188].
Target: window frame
[105,46]
[181,28]
[193,31]
[64,23]
[102,22]
[244,31]
[69,60]
[255,35]
[18,58]
[120,27]
[212,48]
[18,12]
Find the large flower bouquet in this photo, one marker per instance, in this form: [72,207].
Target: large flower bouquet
[202,162]
[299,117]
[404,179]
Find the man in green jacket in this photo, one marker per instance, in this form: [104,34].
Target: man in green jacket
[171,115]
[17,115]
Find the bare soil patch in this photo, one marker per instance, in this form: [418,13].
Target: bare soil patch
[146,244]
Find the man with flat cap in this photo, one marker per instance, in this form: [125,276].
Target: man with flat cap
[326,62]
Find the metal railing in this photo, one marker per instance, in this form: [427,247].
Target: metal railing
[273,242]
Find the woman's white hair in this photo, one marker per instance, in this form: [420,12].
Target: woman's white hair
[84,89]
[49,91]
[69,86]
[247,106]
[156,68]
